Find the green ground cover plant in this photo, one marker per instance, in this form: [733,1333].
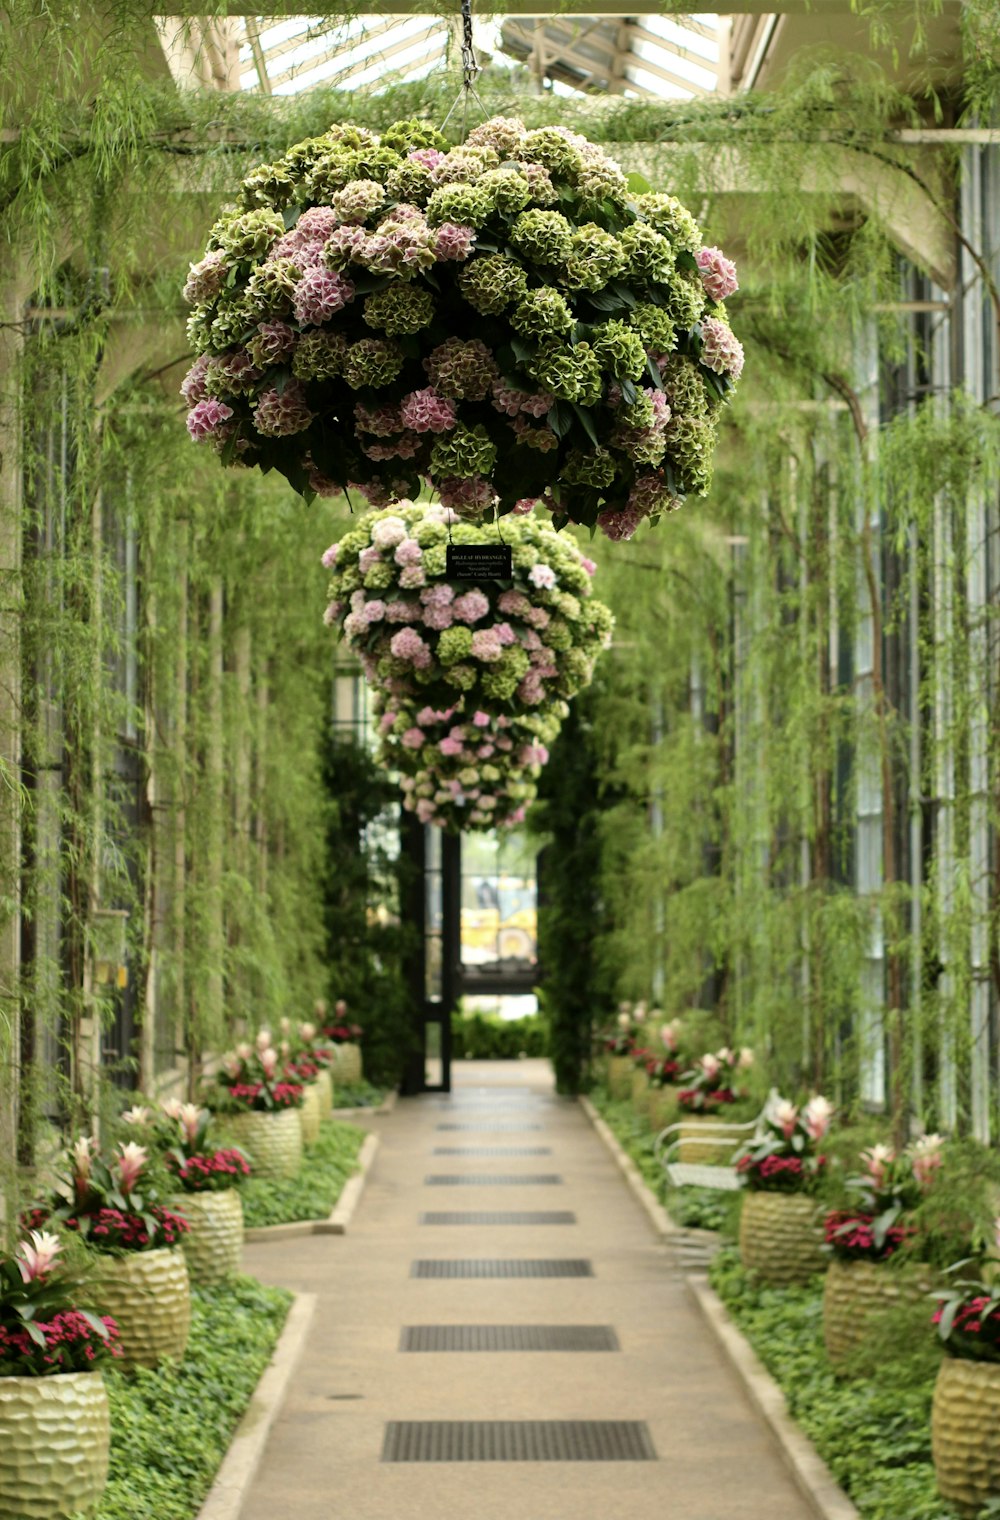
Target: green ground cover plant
[482,1037]
[358,1095]
[313,1194]
[873,1427]
[171,1428]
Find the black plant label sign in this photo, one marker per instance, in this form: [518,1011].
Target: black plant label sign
[479,562]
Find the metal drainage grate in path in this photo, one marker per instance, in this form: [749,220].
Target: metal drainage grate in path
[482,1152]
[490,1179]
[487,1266]
[518,1441]
[508,1338]
[512,1216]
[492,1127]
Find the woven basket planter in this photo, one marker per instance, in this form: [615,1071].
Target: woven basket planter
[54,1436]
[620,1070]
[855,1291]
[273,1141]
[661,1106]
[148,1293]
[324,1086]
[703,1152]
[780,1238]
[640,1090]
[347,1069]
[964,1420]
[311,1114]
[213,1246]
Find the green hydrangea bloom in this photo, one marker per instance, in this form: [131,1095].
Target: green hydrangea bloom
[410,184]
[566,603]
[379,577]
[595,257]
[655,326]
[491,282]
[372,361]
[349,580]
[547,146]
[523,556]
[427,533]
[465,205]
[373,161]
[463,452]
[231,323]
[436,560]
[425,677]
[542,313]
[619,351]
[199,326]
[686,298]
[352,544]
[649,256]
[271,286]
[319,355]
[545,237]
[602,181]
[637,414]
[409,136]
[674,220]
[684,388]
[572,374]
[596,468]
[558,635]
[691,445]
[399,309]
[498,684]
[454,644]
[269,185]
[490,773]
[246,235]
[462,676]
[507,189]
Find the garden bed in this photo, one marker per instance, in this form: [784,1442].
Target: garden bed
[171,1428]
[326,1166]
[354,1095]
[872,1429]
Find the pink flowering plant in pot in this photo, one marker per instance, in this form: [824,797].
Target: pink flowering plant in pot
[111,1202]
[340,1028]
[785,1154]
[254,1078]
[191,1157]
[42,1328]
[967,1316]
[889,1191]
[509,322]
[471,678]
[715,1082]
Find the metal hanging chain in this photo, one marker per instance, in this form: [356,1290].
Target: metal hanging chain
[470,72]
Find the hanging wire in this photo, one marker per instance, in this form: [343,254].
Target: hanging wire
[470,72]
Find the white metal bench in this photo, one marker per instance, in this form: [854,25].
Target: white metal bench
[727,1138]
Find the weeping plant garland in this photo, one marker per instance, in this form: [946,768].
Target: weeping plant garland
[511,322]
[472,679]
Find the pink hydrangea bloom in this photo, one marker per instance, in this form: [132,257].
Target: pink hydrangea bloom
[413,738]
[515,603]
[718,274]
[486,645]
[278,415]
[206,278]
[318,222]
[721,350]
[320,294]
[525,505]
[532,689]
[408,645]
[332,613]
[193,385]
[485,751]
[542,576]
[402,612]
[408,552]
[481,719]
[438,596]
[505,633]
[537,617]
[453,242]
[411,577]
[389,532]
[354,625]
[428,157]
[381,421]
[438,616]
[342,245]
[207,419]
[272,344]
[367,558]
[466,497]
[450,746]
[427,412]
[374,611]
[426,810]
[386,721]
[530,639]
[471,606]
[588,564]
[620,525]
[430,715]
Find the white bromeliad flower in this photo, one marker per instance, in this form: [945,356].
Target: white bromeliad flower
[817,1116]
[35,1259]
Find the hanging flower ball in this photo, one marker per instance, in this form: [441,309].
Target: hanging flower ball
[472,679]
[509,322]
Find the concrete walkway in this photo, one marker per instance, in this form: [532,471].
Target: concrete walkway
[324,1461]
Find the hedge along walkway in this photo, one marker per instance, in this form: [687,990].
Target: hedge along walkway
[714,1456]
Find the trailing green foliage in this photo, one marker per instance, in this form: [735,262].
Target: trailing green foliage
[313,1194]
[171,1428]
[873,1429]
[480,1037]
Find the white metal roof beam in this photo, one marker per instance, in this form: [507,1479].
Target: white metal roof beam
[813,8]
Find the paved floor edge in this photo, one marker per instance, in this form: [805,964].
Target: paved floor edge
[239,1466]
[813,1477]
[335,1223]
[656,1213]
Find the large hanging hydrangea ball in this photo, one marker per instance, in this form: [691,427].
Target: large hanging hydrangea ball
[511,322]
[472,678]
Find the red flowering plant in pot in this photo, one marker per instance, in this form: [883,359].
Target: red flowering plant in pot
[111,1203]
[714,1082]
[254,1079]
[190,1154]
[43,1329]
[341,1030]
[889,1190]
[784,1155]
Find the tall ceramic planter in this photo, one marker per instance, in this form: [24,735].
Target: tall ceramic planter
[148,1293]
[620,1076]
[704,1152]
[213,1246]
[54,1436]
[662,1106]
[780,1238]
[855,1291]
[964,1420]
[640,1089]
[324,1086]
[273,1141]
[310,1114]
[347,1071]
